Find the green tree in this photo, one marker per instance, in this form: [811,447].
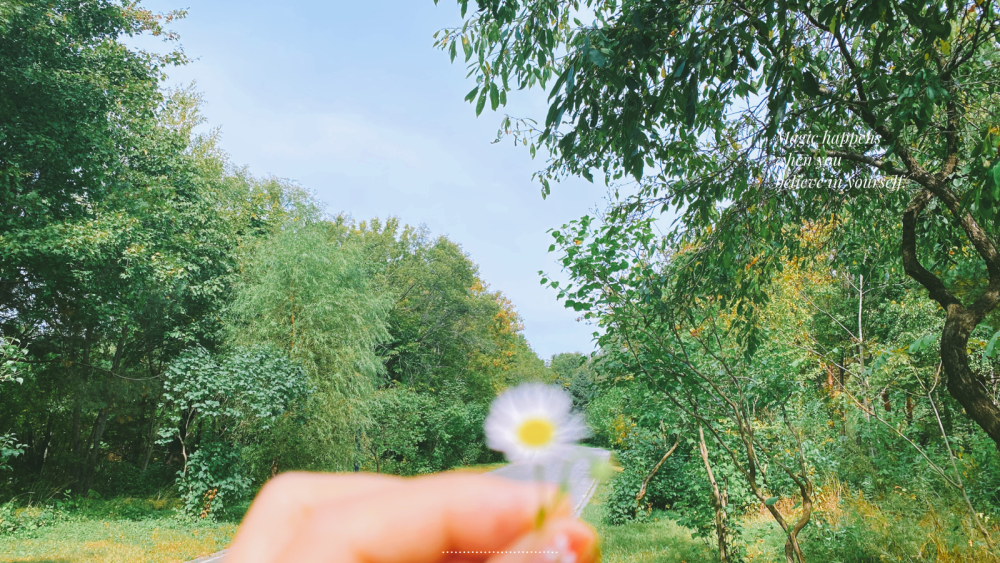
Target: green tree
[213,406]
[453,346]
[751,117]
[742,411]
[105,299]
[445,325]
[308,291]
[576,372]
[74,97]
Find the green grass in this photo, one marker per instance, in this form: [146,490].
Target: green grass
[123,530]
[115,531]
[479,467]
[658,541]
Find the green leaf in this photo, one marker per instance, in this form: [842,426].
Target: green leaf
[992,343]
[938,29]
[494,97]
[467,47]
[680,68]
[809,84]
[826,13]
[472,94]
[691,106]
[554,111]
[771,501]
[923,342]
[597,57]
[481,103]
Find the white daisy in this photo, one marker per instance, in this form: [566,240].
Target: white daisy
[532,422]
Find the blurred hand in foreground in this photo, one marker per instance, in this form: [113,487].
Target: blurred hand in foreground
[448,517]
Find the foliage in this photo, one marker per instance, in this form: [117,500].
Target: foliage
[168,316]
[751,119]
[216,405]
[453,346]
[241,393]
[858,403]
[10,353]
[75,97]
[445,325]
[9,448]
[657,538]
[771,314]
[26,521]
[212,480]
[124,479]
[310,294]
[575,372]
[424,433]
[144,274]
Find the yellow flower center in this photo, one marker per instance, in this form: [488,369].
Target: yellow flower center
[536,432]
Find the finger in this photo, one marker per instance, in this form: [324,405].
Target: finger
[564,540]
[287,501]
[424,520]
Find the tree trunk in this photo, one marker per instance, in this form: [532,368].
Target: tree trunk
[792,548]
[645,482]
[150,442]
[960,320]
[719,500]
[77,440]
[95,450]
[963,384]
[40,446]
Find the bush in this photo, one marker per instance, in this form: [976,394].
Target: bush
[218,404]
[9,449]
[26,520]
[214,478]
[671,488]
[418,433]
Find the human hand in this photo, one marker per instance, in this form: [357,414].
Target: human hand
[449,517]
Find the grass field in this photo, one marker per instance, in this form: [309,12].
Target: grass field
[122,530]
[659,541]
[148,541]
[147,531]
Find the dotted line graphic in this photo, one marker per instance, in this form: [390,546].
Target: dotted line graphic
[483,552]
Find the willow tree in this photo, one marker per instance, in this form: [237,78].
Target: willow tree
[309,292]
[750,117]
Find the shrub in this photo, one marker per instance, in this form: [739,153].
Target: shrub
[214,478]
[215,404]
[417,433]
[25,520]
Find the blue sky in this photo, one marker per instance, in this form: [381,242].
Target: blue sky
[351,100]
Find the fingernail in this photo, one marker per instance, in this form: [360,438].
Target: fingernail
[559,550]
